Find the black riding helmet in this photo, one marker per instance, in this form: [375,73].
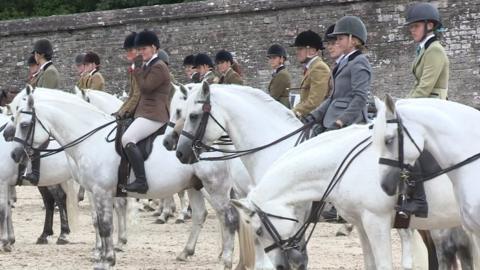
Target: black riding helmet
[189,60]
[91,57]
[147,38]
[277,50]
[129,41]
[223,56]
[308,39]
[43,46]
[203,59]
[327,36]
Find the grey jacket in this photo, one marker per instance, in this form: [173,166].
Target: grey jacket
[348,101]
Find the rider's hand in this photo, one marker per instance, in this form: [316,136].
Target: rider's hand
[308,119]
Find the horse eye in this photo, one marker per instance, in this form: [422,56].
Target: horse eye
[259,231]
[193,117]
[24,125]
[389,140]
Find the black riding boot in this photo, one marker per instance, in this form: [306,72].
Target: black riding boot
[417,203]
[135,158]
[34,176]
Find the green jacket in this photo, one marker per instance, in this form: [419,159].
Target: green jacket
[279,86]
[48,77]
[430,69]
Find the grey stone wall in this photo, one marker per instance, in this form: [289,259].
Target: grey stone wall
[247,28]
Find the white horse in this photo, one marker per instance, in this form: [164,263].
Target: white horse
[447,130]
[242,111]
[54,171]
[108,104]
[96,162]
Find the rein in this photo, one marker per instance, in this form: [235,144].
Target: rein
[295,241]
[198,145]
[28,142]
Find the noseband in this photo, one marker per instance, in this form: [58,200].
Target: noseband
[400,162]
[27,143]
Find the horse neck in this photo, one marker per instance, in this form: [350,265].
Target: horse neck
[304,173]
[449,124]
[252,123]
[105,102]
[69,121]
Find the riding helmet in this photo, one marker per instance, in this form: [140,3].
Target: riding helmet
[189,60]
[147,38]
[203,59]
[308,39]
[43,46]
[277,50]
[91,57]
[351,25]
[129,41]
[423,12]
[223,56]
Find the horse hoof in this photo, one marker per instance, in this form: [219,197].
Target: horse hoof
[339,234]
[42,241]
[179,221]
[159,221]
[7,248]
[182,257]
[62,241]
[11,241]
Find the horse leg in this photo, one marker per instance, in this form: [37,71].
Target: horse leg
[60,198]
[377,229]
[98,241]
[184,213]
[166,211]
[199,215]
[368,258]
[4,216]
[158,212]
[406,236]
[13,195]
[120,206]
[49,203]
[104,209]
[81,194]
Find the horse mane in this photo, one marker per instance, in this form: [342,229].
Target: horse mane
[380,125]
[246,241]
[259,96]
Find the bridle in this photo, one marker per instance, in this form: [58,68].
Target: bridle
[405,168]
[197,138]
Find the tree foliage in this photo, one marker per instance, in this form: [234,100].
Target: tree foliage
[38,8]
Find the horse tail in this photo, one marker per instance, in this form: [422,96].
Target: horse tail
[246,242]
[72,203]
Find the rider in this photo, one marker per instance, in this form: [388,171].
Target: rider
[204,66]
[351,78]
[314,86]
[430,69]
[430,66]
[152,112]
[79,68]
[281,80]
[92,79]
[190,71]
[127,109]
[47,77]
[33,68]
[334,52]
[229,69]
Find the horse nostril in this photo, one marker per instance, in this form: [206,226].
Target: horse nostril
[179,155]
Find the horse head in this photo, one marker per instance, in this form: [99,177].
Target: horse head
[177,107]
[253,226]
[203,132]
[29,132]
[399,142]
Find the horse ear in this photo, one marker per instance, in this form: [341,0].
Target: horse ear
[29,89]
[390,104]
[76,90]
[30,101]
[183,90]
[242,205]
[205,89]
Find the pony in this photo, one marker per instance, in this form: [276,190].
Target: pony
[252,119]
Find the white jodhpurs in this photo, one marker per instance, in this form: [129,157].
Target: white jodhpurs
[139,130]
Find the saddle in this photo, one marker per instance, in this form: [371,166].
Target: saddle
[145,146]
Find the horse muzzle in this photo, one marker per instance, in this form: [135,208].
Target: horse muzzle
[390,180]
[170,141]
[9,133]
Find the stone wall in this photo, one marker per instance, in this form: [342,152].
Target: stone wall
[247,28]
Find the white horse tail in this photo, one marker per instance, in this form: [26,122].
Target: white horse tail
[72,204]
[246,242]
